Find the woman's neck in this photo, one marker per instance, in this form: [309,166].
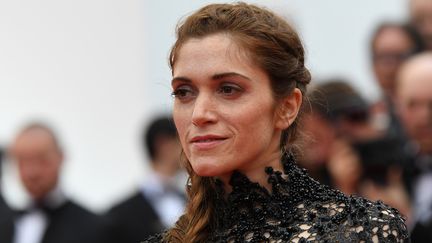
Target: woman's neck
[256,173]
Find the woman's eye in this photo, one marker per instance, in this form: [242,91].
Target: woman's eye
[183,93]
[229,89]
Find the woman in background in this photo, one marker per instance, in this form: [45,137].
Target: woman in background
[239,80]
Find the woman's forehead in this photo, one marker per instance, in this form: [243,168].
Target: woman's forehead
[218,51]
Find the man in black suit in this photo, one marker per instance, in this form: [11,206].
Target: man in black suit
[414,106]
[158,203]
[51,217]
[6,219]
[6,222]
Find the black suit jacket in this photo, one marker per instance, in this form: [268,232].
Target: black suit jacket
[6,223]
[422,233]
[134,220]
[71,223]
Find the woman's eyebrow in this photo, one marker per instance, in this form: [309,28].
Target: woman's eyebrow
[229,74]
[182,79]
[214,77]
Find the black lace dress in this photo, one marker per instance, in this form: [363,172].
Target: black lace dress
[299,209]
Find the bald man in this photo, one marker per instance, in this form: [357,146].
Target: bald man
[414,105]
[414,100]
[51,216]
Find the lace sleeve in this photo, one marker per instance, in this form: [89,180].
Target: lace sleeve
[358,220]
[377,222]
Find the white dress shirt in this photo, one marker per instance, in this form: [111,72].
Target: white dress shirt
[165,198]
[423,198]
[31,226]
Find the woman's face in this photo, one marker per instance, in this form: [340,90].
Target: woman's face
[224,109]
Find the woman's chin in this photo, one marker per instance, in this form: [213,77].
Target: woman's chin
[205,171]
[207,168]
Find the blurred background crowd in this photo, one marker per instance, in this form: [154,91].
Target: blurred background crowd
[367,130]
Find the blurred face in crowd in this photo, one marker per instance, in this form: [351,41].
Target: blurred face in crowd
[39,161]
[167,155]
[421,18]
[414,100]
[224,110]
[320,138]
[390,48]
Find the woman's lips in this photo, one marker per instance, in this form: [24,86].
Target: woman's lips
[206,142]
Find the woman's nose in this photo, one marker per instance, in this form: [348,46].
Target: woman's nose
[204,111]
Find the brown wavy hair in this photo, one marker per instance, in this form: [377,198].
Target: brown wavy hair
[276,48]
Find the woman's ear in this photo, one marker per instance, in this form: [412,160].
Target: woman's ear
[288,109]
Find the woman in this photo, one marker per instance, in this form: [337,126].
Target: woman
[238,82]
